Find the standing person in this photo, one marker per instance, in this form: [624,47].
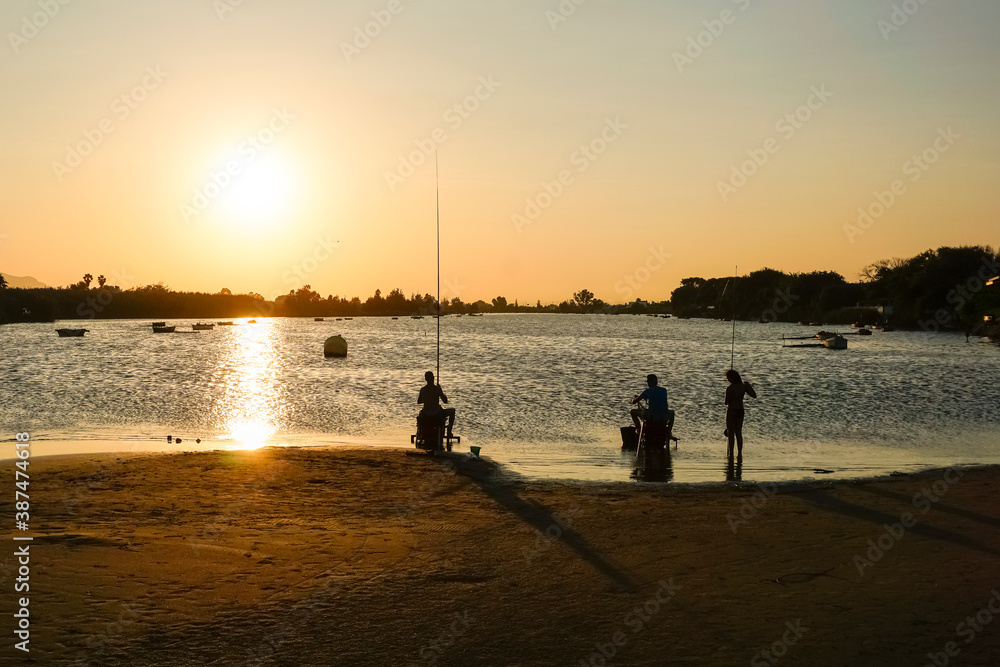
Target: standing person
[735,392]
[657,397]
[429,395]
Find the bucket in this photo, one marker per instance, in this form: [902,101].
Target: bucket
[475,452]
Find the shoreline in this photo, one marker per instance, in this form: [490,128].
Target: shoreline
[371,556]
[104,446]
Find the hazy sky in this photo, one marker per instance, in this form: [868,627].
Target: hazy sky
[261,145]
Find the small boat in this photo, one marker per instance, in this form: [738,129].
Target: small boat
[71,333]
[163,329]
[865,331]
[225,324]
[416,317]
[318,319]
[886,327]
[251,321]
[395,318]
[159,324]
[201,326]
[835,342]
[348,318]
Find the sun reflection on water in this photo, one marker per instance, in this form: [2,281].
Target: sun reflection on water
[248,407]
[251,435]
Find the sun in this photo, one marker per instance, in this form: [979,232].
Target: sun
[261,195]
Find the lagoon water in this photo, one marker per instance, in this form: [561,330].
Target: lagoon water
[543,394]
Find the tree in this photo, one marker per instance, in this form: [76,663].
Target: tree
[396,302]
[3,282]
[87,279]
[583,298]
[499,304]
[101,281]
[225,291]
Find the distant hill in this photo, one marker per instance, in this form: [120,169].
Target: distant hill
[23,281]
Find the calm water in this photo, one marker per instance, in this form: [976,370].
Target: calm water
[544,394]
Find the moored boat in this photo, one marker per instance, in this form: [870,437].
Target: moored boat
[71,333]
[163,329]
[201,326]
[835,342]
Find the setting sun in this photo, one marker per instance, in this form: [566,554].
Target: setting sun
[261,195]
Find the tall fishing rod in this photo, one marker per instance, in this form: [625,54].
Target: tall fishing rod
[437,187]
[732,357]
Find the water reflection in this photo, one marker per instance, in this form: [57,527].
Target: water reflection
[653,464]
[734,471]
[248,407]
[249,384]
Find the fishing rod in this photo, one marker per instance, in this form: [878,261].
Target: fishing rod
[437,187]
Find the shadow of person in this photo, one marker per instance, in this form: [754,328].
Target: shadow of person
[485,475]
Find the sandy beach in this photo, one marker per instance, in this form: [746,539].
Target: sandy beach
[375,557]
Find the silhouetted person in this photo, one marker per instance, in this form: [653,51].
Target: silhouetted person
[657,397]
[429,395]
[735,392]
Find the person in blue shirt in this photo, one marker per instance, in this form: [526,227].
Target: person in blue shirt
[657,397]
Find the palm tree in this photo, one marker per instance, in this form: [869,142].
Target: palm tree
[101,280]
[87,279]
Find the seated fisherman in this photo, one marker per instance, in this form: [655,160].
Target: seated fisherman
[429,395]
[657,397]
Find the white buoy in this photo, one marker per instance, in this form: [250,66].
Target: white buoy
[335,346]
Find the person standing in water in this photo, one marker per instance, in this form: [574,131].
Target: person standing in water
[429,395]
[735,392]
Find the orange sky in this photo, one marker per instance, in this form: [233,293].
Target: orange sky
[266,145]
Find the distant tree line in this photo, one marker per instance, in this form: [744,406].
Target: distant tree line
[82,301]
[938,289]
[306,302]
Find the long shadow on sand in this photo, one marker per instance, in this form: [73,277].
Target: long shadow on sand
[536,515]
[828,502]
[939,506]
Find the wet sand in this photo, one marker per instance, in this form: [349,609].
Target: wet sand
[374,557]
